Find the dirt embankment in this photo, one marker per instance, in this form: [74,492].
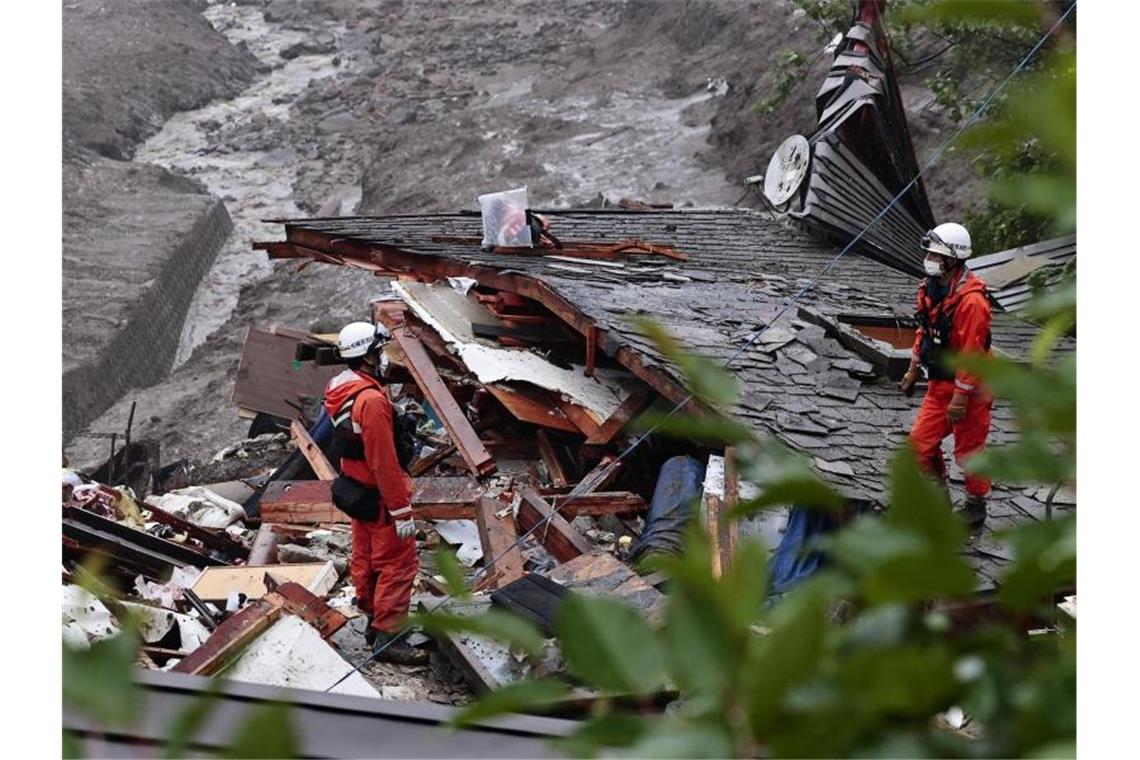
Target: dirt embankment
[415,105]
[136,238]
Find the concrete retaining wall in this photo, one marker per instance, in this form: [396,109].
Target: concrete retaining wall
[142,351]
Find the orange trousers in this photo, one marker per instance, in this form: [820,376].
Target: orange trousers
[383,567]
[970,433]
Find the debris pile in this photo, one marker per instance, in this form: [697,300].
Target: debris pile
[246,577]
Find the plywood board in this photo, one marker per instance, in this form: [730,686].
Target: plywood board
[269,376]
[216,583]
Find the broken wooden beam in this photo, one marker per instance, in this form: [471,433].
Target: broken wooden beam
[298,600]
[501,554]
[232,636]
[312,453]
[634,403]
[532,405]
[560,538]
[715,513]
[596,504]
[425,464]
[550,459]
[310,501]
[264,549]
[478,460]
[602,474]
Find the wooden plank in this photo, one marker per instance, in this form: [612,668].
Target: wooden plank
[316,458]
[597,504]
[550,458]
[478,460]
[559,537]
[633,404]
[714,512]
[425,464]
[268,377]
[601,475]
[467,662]
[604,575]
[264,550]
[498,536]
[230,638]
[535,406]
[310,501]
[730,528]
[298,600]
[581,417]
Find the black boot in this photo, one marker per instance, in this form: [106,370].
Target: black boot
[369,631]
[397,652]
[974,513]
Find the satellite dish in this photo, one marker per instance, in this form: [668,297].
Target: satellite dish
[786,170]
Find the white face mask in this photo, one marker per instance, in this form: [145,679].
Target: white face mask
[383,363]
[933,268]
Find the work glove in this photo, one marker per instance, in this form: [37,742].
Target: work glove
[957,409]
[405,523]
[906,385]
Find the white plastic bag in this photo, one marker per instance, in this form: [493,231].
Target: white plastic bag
[504,219]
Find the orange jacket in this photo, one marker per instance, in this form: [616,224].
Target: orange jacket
[969,325]
[372,419]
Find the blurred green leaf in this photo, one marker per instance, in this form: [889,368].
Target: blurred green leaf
[267,732]
[189,721]
[99,681]
[881,627]
[610,645]
[708,380]
[454,577]
[708,429]
[787,654]
[515,697]
[918,504]
[783,477]
[676,738]
[612,729]
[1032,460]
[500,625]
[1045,559]
[72,746]
[977,11]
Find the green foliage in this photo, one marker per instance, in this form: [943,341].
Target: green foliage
[610,645]
[529,695]
[97,682]
[452,571]
[783,77]
[268,731]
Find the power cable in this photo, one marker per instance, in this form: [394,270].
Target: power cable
[577,491]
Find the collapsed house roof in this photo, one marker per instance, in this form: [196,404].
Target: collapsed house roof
[1007,273]
[846,175]
[820,378]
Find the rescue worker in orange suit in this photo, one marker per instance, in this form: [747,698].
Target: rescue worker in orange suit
[954,317]
[384,562]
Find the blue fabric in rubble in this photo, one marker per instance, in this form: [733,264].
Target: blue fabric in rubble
[322,429]
[797,557]
[679,483]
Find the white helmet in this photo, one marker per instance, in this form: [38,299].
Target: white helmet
[360,338]
[948,239]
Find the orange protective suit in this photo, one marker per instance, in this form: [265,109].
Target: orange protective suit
[383,566]
[970,318]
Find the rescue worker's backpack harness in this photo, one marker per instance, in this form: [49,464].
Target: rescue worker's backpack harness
[934,349]
[358,500]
